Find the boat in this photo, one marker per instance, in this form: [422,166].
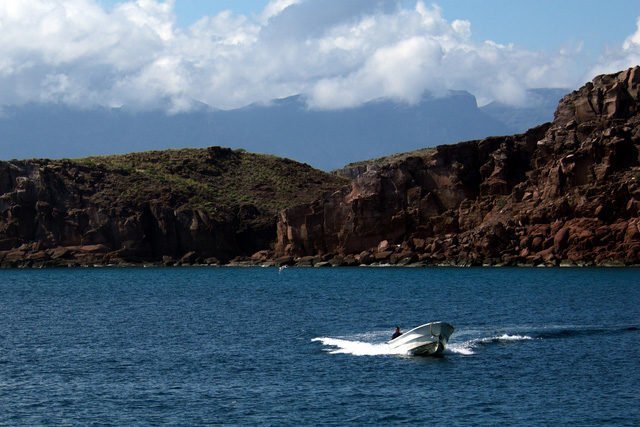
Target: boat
[429,339]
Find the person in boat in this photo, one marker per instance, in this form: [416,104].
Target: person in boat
[397,333]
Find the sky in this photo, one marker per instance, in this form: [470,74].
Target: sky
[182,54]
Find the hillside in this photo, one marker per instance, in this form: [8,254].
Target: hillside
[209,205]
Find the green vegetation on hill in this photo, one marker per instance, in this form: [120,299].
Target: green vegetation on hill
[214,179]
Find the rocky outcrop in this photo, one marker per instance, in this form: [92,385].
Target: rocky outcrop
[566,192]
[178,207]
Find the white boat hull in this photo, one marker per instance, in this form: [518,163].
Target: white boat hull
[429,339]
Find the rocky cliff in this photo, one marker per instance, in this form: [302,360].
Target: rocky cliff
[566,192]
[179,206]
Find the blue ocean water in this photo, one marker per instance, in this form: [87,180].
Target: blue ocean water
[202,346]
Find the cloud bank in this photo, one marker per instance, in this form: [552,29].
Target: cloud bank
[338,53]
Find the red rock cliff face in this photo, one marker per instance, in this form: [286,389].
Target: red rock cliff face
[564,192]
[50,217]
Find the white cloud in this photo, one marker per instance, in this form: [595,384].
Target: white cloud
[463,28]
[339,54]
[633,41]
[619,59]
[275,7]
[398,71]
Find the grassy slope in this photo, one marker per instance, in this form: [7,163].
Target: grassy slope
[216,180]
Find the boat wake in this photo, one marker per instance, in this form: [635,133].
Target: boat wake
[465,342]
[467,348]
[357,347]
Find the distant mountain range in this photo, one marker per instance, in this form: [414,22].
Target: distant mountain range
[285,127]
[541,103]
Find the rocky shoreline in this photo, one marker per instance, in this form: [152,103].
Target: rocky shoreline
[564,193]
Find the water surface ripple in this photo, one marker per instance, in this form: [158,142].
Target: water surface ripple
[202,346]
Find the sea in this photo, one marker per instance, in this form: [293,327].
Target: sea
[307,346]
